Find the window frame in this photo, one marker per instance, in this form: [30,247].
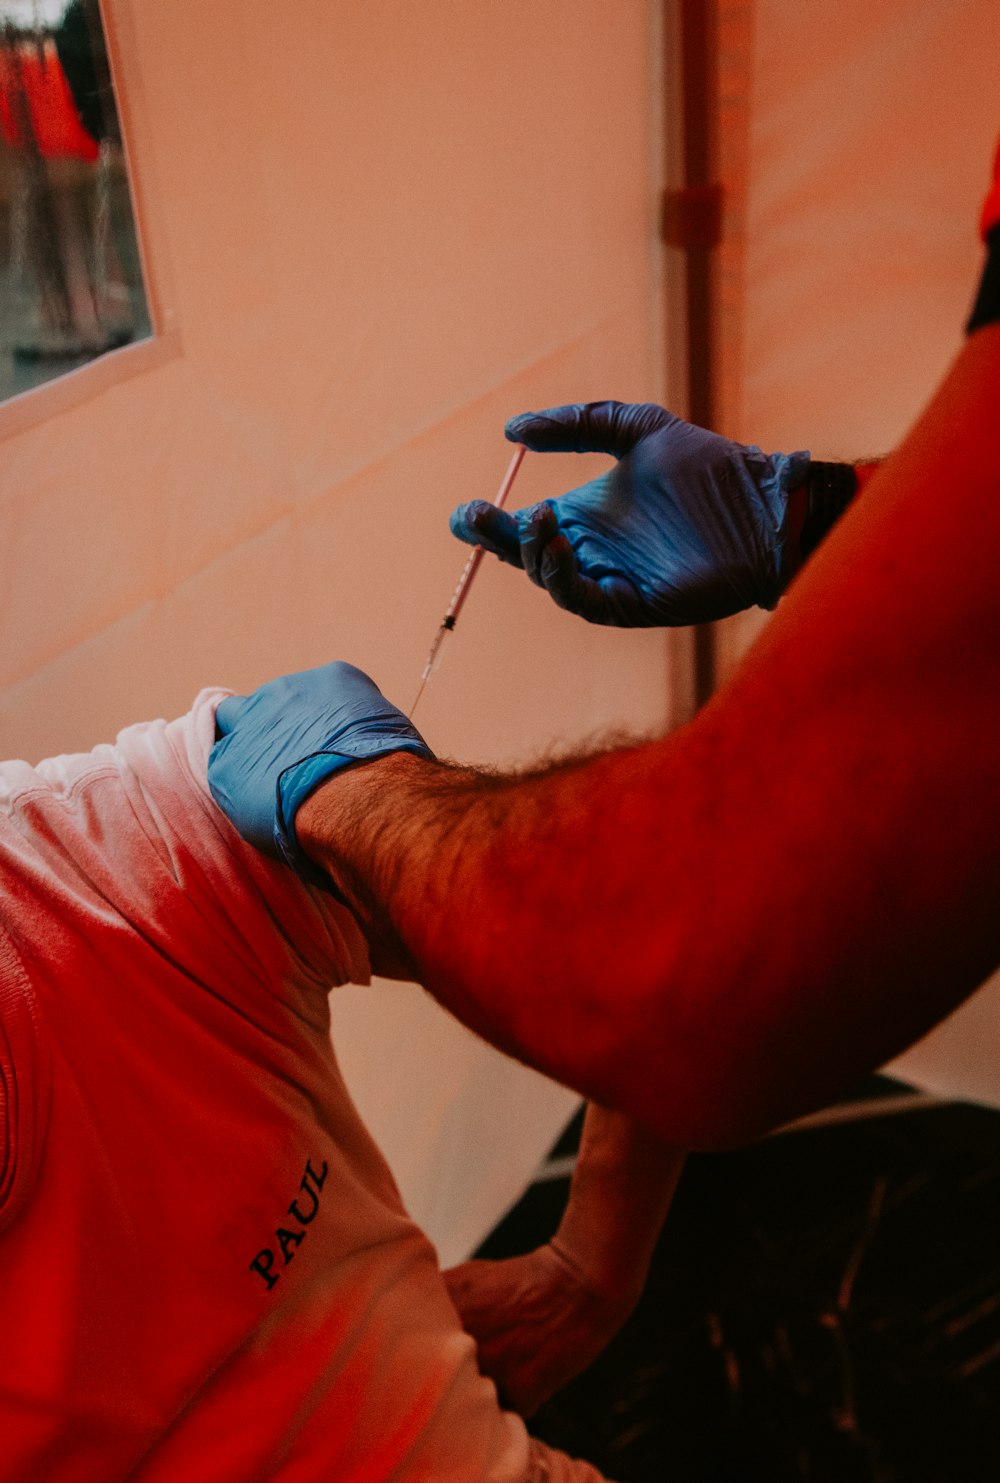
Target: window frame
[75,387]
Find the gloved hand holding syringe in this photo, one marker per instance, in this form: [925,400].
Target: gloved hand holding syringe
[450,618]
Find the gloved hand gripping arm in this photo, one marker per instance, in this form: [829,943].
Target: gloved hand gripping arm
[276,746]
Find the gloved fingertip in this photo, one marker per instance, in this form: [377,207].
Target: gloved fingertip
[227,713]
[513,426]
[540,520]
[544,432]
[549,568]
[558,552]
[463,517]
[481,517]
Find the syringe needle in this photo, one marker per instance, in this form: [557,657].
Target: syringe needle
[423,681]
[465,580]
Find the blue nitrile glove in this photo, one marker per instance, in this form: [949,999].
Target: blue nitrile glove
[277,745]
[685,528]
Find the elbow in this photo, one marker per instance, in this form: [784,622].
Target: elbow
[703,1097]
[711,1119]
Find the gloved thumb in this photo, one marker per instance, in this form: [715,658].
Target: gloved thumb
[587,427]
[228,713]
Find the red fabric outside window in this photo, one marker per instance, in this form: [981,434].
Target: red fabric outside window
[41,83]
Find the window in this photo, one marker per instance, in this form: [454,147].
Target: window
[71,283]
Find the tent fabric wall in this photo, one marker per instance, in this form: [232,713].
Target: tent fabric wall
[867,138]
[374,232]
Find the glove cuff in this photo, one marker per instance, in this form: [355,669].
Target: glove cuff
[831,488]
[295,785]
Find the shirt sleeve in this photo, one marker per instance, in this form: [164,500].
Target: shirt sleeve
[293,931]
[126,842]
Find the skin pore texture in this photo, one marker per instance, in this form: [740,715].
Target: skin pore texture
[714,931]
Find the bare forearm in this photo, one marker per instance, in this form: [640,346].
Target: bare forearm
[622,1188]
[483,884]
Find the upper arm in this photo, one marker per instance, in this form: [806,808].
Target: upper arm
[839,801]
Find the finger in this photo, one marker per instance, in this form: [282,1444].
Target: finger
[227,714]
[460,1280]
[612,600]
[482,524]
[570,589]
[587,427]
[538,525]
[561,576]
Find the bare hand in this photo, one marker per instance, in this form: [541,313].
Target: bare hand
[535,1321]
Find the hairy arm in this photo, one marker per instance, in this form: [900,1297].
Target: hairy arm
[714,931]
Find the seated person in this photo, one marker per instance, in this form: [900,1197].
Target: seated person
[208,1273]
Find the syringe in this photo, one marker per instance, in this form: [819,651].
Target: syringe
[465,581]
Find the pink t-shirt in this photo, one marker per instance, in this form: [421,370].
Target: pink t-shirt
[207,1270]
